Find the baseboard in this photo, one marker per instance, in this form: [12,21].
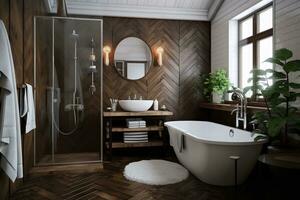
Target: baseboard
[72,168]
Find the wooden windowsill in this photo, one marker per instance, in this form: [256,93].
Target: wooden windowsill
[228,106]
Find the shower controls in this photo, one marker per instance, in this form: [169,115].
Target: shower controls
[77,107]
[93,67]
[92,58]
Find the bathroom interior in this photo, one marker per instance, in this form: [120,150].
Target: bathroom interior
[136,99]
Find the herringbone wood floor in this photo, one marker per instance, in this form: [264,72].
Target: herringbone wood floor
[111,185]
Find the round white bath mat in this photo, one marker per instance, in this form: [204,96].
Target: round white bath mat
[155,172]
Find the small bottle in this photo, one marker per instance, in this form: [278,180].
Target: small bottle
[155,106]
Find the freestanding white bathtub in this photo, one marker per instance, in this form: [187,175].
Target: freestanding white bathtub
[205,148]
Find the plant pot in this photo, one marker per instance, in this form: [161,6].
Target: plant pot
[216,97]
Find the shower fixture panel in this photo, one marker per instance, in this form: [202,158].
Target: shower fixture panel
[92,67]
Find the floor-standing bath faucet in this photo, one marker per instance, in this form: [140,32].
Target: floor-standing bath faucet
[241,107]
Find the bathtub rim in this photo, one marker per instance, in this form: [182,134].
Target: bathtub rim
[259,142]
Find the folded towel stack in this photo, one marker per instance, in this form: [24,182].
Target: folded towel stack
[136,123]
[135,137]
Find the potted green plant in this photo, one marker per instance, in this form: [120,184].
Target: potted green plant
[215,84]
[282,115]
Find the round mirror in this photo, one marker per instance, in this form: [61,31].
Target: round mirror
[132,58]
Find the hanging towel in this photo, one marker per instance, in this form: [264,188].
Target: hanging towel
[177,140]
[28,108]
[10,131]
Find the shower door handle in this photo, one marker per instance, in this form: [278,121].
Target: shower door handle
[56,95]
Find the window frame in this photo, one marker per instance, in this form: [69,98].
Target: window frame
[254,39]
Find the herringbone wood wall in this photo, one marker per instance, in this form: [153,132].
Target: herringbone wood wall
[187,53]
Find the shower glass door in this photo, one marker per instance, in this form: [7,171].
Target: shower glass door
[68,90]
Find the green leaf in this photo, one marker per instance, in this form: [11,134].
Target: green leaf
[293,119]
[279,75]
[277,101]
[269,70]
[293,110]
[295,85]
[256,79]
[278,111]
[274,61]
[274,126]
[258,72]
[259,117]
[257,131]
[293,96]
[280,86]
[283,54]
[260,137]
[247,89]
[292,66]
[255,121]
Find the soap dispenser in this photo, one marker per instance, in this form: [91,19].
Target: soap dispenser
[155,106]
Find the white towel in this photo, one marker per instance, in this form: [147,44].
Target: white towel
[10,131]
[177,139]
[28,109]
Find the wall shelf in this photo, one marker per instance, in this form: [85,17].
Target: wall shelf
[116,145]
[149,128]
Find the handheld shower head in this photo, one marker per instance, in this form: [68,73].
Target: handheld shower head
[237,93]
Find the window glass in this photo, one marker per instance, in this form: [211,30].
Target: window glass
[246,64]
[265,20]
[246,28]
[265,51]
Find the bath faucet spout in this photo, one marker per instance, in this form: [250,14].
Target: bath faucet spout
[234,110]
[241,107]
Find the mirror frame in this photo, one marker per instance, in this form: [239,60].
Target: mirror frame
[114,64]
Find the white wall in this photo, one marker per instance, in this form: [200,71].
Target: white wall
[286,28]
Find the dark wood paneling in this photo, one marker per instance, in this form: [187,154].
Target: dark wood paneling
[31,8]
[18,18]
[187,53]
[4,13]
[16,37]
[194,59]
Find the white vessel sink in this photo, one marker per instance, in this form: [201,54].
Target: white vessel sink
[136,105]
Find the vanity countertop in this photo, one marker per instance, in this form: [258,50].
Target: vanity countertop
[138,114]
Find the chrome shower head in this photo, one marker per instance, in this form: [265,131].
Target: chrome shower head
[75,35]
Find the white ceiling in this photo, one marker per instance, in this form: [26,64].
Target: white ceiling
[158,9]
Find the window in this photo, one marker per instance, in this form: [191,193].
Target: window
[255,43]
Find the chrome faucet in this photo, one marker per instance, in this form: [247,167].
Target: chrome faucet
[241,107]
[134,97]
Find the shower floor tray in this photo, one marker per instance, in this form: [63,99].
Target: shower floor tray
[69,158]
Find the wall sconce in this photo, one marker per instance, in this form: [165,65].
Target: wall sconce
[159,52]
[106,51]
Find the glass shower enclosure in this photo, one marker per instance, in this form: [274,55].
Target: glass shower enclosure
[68,90]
